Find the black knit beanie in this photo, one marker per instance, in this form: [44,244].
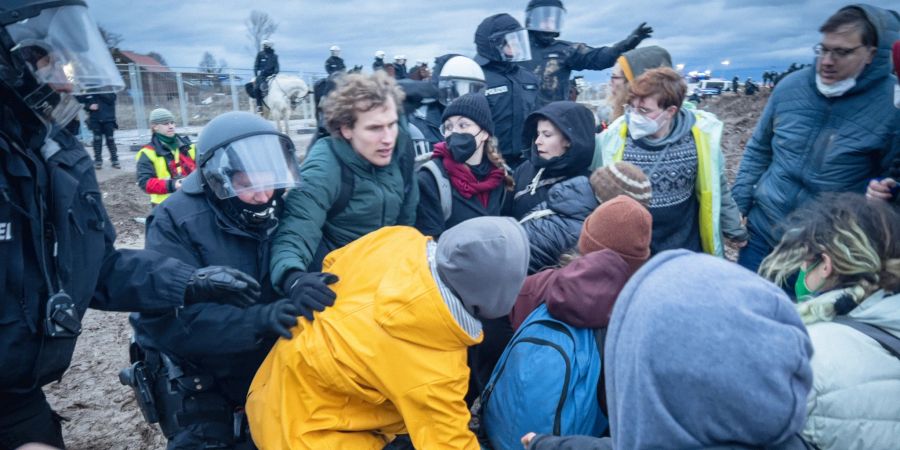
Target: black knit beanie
[473,106]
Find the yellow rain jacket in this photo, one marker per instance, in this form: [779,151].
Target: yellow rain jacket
[388,358]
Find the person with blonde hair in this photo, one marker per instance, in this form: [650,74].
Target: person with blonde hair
[629,66]
[846,254]
[356,181]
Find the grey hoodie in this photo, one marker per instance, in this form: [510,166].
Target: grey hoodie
[701,352]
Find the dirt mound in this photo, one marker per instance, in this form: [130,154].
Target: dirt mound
[125,202]
[740,113]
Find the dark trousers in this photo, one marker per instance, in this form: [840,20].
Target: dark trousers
[752,255]
[28,418]
[101,130]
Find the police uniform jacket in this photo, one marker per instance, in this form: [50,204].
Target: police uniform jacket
[55,233]
[209,338]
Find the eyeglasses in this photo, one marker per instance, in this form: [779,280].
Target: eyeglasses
[639,110]
[822,50]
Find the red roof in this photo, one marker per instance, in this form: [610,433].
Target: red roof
[147,62]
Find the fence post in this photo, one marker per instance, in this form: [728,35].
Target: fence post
[137,98]
[182,103]
[235,106]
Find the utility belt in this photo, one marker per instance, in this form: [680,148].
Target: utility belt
[176,396]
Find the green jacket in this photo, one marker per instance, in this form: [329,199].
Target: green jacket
[718,212]
[381,197]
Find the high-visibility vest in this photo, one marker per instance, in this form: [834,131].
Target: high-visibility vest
[161,168]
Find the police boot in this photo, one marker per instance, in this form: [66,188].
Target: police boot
[98,150]
[113,154]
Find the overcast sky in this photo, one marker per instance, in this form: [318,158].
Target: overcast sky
[753,35]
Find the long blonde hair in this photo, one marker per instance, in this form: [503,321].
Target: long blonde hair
[494,156]
[862,239]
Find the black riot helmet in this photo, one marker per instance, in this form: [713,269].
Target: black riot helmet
[244,165]
[500,38]
[545,16]
[51,51]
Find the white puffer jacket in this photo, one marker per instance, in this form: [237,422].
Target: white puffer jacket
[855,400]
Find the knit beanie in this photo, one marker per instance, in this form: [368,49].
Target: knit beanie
[622,225]
[484,262]
[637,61]
[160,116]
[473,106]
[621,178]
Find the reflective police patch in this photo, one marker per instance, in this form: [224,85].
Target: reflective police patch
[529,87]
[552,55]
[496,90]
[5,231]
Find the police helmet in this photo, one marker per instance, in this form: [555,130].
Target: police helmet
[51,51]
[459,76]
[379,54]
[242,153]
[267,44]
[545,16]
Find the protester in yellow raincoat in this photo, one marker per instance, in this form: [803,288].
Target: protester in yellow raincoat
[389,357]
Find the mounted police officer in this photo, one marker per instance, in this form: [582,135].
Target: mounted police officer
[56,239]
[553,60]
[197,363]
[265,66]
[335,63]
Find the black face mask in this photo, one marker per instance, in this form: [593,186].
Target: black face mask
[462,146]
[250,216]
[544,38]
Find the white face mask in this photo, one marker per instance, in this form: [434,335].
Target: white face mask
[836,89]
[897,96]
[640,126]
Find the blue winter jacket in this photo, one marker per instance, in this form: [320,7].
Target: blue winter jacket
[554,225]
[806,144]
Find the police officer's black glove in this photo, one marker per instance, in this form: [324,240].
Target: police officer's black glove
[220,284]
[310,291]
[277,318]
[639,34]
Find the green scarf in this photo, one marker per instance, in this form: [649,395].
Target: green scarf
[170,142]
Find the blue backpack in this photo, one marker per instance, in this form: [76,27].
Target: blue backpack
[546,382]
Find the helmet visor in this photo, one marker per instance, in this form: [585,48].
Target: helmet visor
[545,18]
[252,164]
[513,46]
[62,48]
[450,89]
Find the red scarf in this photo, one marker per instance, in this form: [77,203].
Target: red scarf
[462,178]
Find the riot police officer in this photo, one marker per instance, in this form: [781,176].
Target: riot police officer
[265,66]
[56,239]
[511,90]
[223,214]
[335,63]
[378,64]
[553,60]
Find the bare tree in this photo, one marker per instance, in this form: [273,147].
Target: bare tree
[260,26]
[208,64]
[158,57]
[111,39]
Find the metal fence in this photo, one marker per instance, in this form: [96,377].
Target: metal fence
[194,97]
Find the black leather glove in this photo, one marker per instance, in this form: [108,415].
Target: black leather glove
[277,318]
[639,34]
[309,291]
[220,284]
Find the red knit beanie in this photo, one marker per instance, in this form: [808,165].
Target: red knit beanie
[622,225]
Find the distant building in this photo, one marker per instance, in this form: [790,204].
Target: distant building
[158,82]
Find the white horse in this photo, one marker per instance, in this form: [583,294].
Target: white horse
[285,92]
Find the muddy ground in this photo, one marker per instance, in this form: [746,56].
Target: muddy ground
[102,413]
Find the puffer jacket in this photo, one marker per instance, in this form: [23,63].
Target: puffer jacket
[554,225]
[806,144]
[388,358]
[381,196]
[853,376]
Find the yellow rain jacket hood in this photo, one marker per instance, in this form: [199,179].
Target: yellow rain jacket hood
[388,358]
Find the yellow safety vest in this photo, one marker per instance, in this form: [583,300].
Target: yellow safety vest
[160,166]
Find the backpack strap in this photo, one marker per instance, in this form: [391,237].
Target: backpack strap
[443,185]
[346,191]
[887,340]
